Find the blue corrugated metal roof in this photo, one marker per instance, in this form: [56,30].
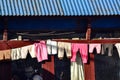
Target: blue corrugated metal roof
[59,7]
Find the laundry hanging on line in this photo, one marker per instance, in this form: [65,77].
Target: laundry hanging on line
[44,48]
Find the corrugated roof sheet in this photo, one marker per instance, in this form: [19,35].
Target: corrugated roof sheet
[59,7]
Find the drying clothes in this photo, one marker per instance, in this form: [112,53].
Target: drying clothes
[82,48]
[93,46]
[77,69]
[41,51]
[5,54]
[28,49]
[107,48]
[51,47]
[64,47]
[16,53]
[118,48]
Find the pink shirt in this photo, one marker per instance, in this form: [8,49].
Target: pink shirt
[41,51]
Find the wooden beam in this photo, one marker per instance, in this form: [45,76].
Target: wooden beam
[89,68]
[14,44]
[5,35]
[88,32]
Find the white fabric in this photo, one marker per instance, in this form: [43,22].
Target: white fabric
[118,48]
[16,53]
[51,47]
[77,70]
[28,49]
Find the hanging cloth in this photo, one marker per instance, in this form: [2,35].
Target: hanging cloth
[95,46]
[107,48]
[77,69]
[118,48]
[82,48]
[41,51]
[51,47]
[15,53]
[64,47]
[28,49]
[5,55]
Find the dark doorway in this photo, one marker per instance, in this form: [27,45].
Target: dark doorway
[107,67]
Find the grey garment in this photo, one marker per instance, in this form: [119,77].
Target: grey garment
[77,70]
[107,49]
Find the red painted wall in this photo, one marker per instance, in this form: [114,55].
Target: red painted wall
[48,69]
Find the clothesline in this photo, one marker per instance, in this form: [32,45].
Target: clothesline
[44,48]
[16,43]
